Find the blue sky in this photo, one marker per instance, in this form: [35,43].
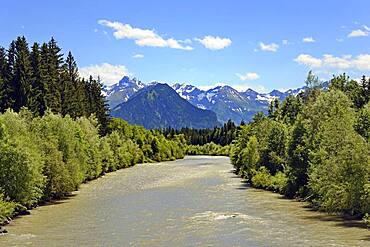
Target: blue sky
[258,44]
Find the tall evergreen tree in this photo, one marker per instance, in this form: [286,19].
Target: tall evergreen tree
[37,103]
[54,67]
[3,64]
[8,90]
[22,82]
[71,101]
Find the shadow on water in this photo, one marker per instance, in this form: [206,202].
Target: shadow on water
[341,221]
[58,201]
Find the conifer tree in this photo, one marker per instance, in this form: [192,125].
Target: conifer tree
[22,81]
[2,78]
[37,103]
[54,63]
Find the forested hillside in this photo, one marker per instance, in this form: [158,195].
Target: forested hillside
[313,146]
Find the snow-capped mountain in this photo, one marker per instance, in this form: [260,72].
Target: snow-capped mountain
[225,101]
[122,91]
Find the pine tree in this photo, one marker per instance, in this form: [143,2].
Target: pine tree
[37,103]
[8,90]
[3,64]
[54,64]
[69,95]
[22,82]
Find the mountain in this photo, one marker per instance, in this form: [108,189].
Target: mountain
[159,106]
[122,91]
[225,101]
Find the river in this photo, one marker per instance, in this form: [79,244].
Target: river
[196,201]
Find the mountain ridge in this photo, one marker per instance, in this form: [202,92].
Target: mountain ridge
[159,106]
[225,101]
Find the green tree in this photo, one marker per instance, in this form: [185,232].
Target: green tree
[339,159]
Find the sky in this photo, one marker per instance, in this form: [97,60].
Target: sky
[262,44]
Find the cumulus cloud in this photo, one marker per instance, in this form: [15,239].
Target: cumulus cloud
[269,47]
[248,76]
[143,37]
[358,33]
[308,60]
[308,40]
[360,62]
[214,43]
[138,56]
[108,73]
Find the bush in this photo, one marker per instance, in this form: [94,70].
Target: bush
[262,178]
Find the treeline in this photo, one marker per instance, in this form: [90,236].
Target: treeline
[208,149]
[313,146]
[40,78]
[43,158]
[223,135]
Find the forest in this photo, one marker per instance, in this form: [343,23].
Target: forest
[313,146]
[55,132]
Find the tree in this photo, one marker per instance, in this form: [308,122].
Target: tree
[250,157]
[339,160]
[313,86]
[53,62]
[22,81]
[37,103]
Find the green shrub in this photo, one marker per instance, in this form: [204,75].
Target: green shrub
[262,178]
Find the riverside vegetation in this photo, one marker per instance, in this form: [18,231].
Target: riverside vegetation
[55,132]
[313,146]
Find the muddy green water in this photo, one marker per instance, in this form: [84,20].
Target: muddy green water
[197,201]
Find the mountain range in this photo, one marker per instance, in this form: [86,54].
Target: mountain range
[225,101]
[159,106]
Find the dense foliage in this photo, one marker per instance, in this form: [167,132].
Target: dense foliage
[40,78]
[208,149]
[314,145]
[49,157]
[223,135]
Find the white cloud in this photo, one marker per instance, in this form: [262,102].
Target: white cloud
[366,28]
[214,43]
[138,56]
[358,33]
[248,76]
[269,47]
[339,40]
[108,73]
[308,60]
[308,40]
[143,37]
[361,62]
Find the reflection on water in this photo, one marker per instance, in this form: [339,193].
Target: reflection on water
[192,202]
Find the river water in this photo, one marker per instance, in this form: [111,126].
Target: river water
[197,201]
